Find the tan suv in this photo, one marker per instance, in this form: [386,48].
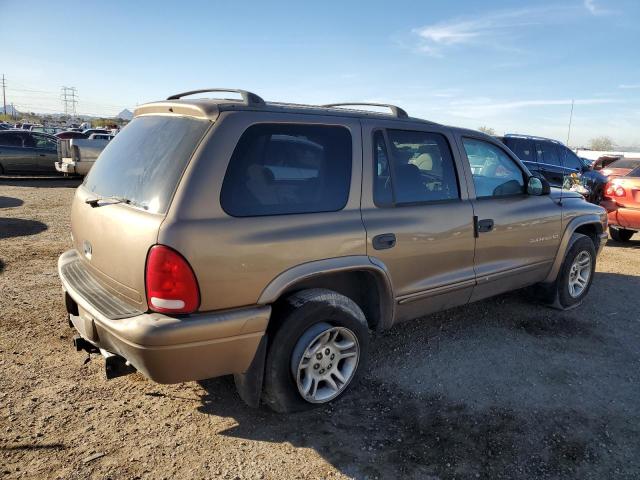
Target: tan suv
[266,240]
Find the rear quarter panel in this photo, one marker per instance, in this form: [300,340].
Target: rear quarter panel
[234,259]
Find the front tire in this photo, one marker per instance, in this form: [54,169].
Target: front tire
[574,278]
[318,351]
[620,234]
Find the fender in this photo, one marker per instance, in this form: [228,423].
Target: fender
[352,263]
[568,239]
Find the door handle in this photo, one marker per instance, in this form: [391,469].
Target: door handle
[42,155]
[485,225]
[384,241]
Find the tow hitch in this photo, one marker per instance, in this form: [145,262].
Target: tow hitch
[114,365]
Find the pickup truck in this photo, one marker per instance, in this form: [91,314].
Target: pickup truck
[76,156]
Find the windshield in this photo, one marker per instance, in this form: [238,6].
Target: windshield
[144,162]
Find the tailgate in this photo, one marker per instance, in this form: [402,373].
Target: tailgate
[113,241]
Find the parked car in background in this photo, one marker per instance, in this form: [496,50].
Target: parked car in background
[101,136]
[5,126]
[47,130]
[89,131]
[69,134]
[557,163]
[76,156]
[622,201]
[217,237]
[27,152]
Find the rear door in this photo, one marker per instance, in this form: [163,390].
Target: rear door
[144,166]
[550,162]
[417,215]
[46,153]
[517,235]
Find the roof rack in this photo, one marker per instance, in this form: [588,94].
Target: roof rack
[532,137]
[395,111]
[249,98]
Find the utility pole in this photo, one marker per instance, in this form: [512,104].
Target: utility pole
[4,96]
[570,118]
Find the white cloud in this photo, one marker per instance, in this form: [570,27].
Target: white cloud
[595,9]
[629,86]
[491,28]
[484,107]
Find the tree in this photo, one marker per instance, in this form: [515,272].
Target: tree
[487,130]
[601,143]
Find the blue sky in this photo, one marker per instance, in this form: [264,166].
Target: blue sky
[510,65]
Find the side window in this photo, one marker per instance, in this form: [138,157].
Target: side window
[42,141]
[495,174]
[382,187]
[10,140]
[550,154]
[280,169]
[570,159]
[522,148]
[29,141]
[422,168]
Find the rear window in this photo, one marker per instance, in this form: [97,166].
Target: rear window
[144,162]
[625,163]
[281,169]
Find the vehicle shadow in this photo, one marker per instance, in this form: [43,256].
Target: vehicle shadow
[633,243]
[41,181]
[18,227]
[416,413]
[10,202]
[2,265]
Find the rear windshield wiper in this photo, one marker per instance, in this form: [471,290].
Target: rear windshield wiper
[113,199]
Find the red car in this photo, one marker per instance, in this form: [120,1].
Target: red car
[622,199]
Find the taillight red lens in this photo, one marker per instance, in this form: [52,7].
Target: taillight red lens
[171,284]
[619,192]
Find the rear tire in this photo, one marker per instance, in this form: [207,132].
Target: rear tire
[620,234]
[321,331]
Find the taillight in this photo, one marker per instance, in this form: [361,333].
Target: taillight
[170,282]
[614,190]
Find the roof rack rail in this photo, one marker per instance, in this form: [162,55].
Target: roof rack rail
[395,111]
[249,98]
[532,137]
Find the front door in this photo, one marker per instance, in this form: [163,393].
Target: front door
[517,235]
[417,216]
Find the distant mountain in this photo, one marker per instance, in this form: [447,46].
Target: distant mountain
[125,115]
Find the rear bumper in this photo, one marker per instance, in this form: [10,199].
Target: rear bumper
[64,167]
[625,217]
[171,349]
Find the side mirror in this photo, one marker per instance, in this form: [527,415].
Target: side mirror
[538,186]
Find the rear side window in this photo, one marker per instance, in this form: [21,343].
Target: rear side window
[10,140]
[422,168]
[522,148]
[145,161]
[281,169]
[550,154]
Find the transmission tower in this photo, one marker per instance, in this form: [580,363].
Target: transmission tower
[69,100]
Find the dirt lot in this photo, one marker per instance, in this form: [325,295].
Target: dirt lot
[498,389]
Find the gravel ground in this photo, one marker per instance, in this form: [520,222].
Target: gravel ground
[498,389]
